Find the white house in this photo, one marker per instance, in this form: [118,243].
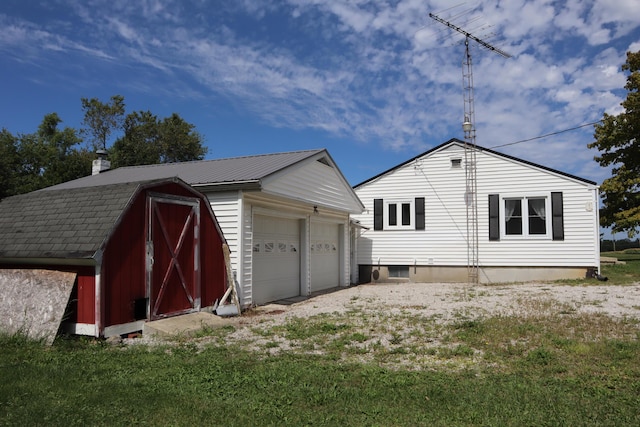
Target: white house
[534,223]
[285,217]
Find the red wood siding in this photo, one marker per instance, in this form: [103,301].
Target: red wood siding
[213,277]
[123,277]
[86,288]
[123,266]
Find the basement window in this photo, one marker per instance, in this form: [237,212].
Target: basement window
[399,271]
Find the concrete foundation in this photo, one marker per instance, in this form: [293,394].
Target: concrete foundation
[442,274]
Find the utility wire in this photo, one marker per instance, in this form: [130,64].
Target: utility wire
[549,134]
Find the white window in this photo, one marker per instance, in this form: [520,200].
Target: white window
[525,217]
[399,271]
[398,214]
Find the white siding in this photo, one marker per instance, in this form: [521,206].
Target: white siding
[229,211]
[315,183]
[245,274]
[226,206]
[345,264]
[443,242]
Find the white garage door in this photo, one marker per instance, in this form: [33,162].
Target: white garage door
[276,258]
[325,256]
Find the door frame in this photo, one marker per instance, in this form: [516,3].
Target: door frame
[153,199]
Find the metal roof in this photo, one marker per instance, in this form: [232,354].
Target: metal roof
[203,172]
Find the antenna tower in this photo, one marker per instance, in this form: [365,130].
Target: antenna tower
[469,128]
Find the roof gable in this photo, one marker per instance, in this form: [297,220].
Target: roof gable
[455,141]
[315,180]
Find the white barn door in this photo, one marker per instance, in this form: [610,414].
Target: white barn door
[276,258]
[325,256]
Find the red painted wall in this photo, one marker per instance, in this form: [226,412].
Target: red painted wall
[212,259]
[86,288]
[123,278]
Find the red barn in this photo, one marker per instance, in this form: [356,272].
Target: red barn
[141,250]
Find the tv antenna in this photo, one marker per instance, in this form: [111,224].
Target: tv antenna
[469,128]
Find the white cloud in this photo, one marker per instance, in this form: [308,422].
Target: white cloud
[372,71]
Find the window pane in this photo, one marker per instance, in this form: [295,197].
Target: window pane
[513,216]
[393,220]
[398,271]
[406,214]
[537,217]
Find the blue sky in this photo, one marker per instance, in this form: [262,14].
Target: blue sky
[374,82]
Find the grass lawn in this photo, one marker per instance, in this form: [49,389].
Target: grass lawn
[531,372]
[553,368]
[623,274]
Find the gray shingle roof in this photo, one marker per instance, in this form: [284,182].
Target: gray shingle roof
[219,171]
[67,224]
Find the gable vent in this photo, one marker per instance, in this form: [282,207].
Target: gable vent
[324,161]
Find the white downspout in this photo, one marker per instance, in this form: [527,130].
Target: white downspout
[596,196]
[98,299]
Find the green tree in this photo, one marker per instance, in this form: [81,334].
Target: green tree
[179,141]
[139,144]
[147,140]
[102,119]
[65,161]
[617,138]
[9,164]
[48,156]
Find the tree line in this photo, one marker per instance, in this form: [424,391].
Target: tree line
[54,154]
[610,245]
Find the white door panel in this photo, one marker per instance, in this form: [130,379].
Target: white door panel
[276,258]
[325,256]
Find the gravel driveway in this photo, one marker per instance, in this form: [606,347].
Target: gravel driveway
[412,324]
[443,300]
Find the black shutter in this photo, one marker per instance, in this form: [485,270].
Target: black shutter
[419,206]
[494,217]
[377,214]
[557,216]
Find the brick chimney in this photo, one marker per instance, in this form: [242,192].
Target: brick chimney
[101,164]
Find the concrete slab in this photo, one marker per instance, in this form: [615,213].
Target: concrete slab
[610,260]
[186,324]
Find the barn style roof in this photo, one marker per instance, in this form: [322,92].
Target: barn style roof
[237,170]
[63,224]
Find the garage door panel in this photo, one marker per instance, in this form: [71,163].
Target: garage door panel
[276,258]
[325,256]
